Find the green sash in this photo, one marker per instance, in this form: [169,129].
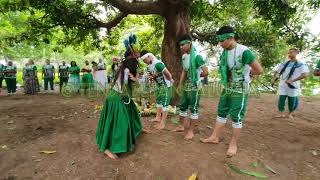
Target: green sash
[224,68]
[193,65]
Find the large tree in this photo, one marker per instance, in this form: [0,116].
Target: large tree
[79,19]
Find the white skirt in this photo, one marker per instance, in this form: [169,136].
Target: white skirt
[101,78]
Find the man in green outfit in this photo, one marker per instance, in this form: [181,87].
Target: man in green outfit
[160,74]
[237,63]
[48,75]
[1,75]
[63,75]
[10,72]
[194,67]
[317,70]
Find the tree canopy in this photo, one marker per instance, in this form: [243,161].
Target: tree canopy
[47,29]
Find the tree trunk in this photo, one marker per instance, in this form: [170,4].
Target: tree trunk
[178,21]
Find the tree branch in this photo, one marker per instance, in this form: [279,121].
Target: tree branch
[111,23]
[207,36]
[135,7]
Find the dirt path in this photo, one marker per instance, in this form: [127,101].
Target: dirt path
[30,124]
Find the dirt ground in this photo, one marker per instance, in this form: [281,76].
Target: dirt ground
[30,124]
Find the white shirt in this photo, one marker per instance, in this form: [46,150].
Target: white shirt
[186,66]
[235,61]
[283,87]
[152,69]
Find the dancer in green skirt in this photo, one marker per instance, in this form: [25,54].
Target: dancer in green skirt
[74,78]
[87,78]
[119,124]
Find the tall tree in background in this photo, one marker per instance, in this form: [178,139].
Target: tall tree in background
[78,19]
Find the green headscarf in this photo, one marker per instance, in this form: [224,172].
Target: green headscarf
[223,37]
[183,42]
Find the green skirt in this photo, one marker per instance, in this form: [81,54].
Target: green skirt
[119,124]
[87,81]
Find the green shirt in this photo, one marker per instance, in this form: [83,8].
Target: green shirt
[158,67]
[318,65]
[48,70]
[160,79]
[235,67]
[11,71]
[75,70]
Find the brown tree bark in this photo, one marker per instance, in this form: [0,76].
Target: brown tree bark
[177,14]
[177,23]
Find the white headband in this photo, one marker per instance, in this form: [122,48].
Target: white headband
[146,55]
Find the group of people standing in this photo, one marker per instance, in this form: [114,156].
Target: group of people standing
[118,135]
[67,76]
[120,124]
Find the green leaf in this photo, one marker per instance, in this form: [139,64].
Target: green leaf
[270,169]
[255,164]
[250,173]
[235,168]
[255,174]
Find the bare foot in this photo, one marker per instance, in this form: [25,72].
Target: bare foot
[179,128]
[160,126]
[155,120]
[232,150]
[212,140]
[280,116]
[189,135]
[291,117]
[110,154]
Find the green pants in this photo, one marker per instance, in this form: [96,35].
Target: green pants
[11,85]
[233,104]
[190,100]
[293,103]
[63,80]
[46,82]
[164,96]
